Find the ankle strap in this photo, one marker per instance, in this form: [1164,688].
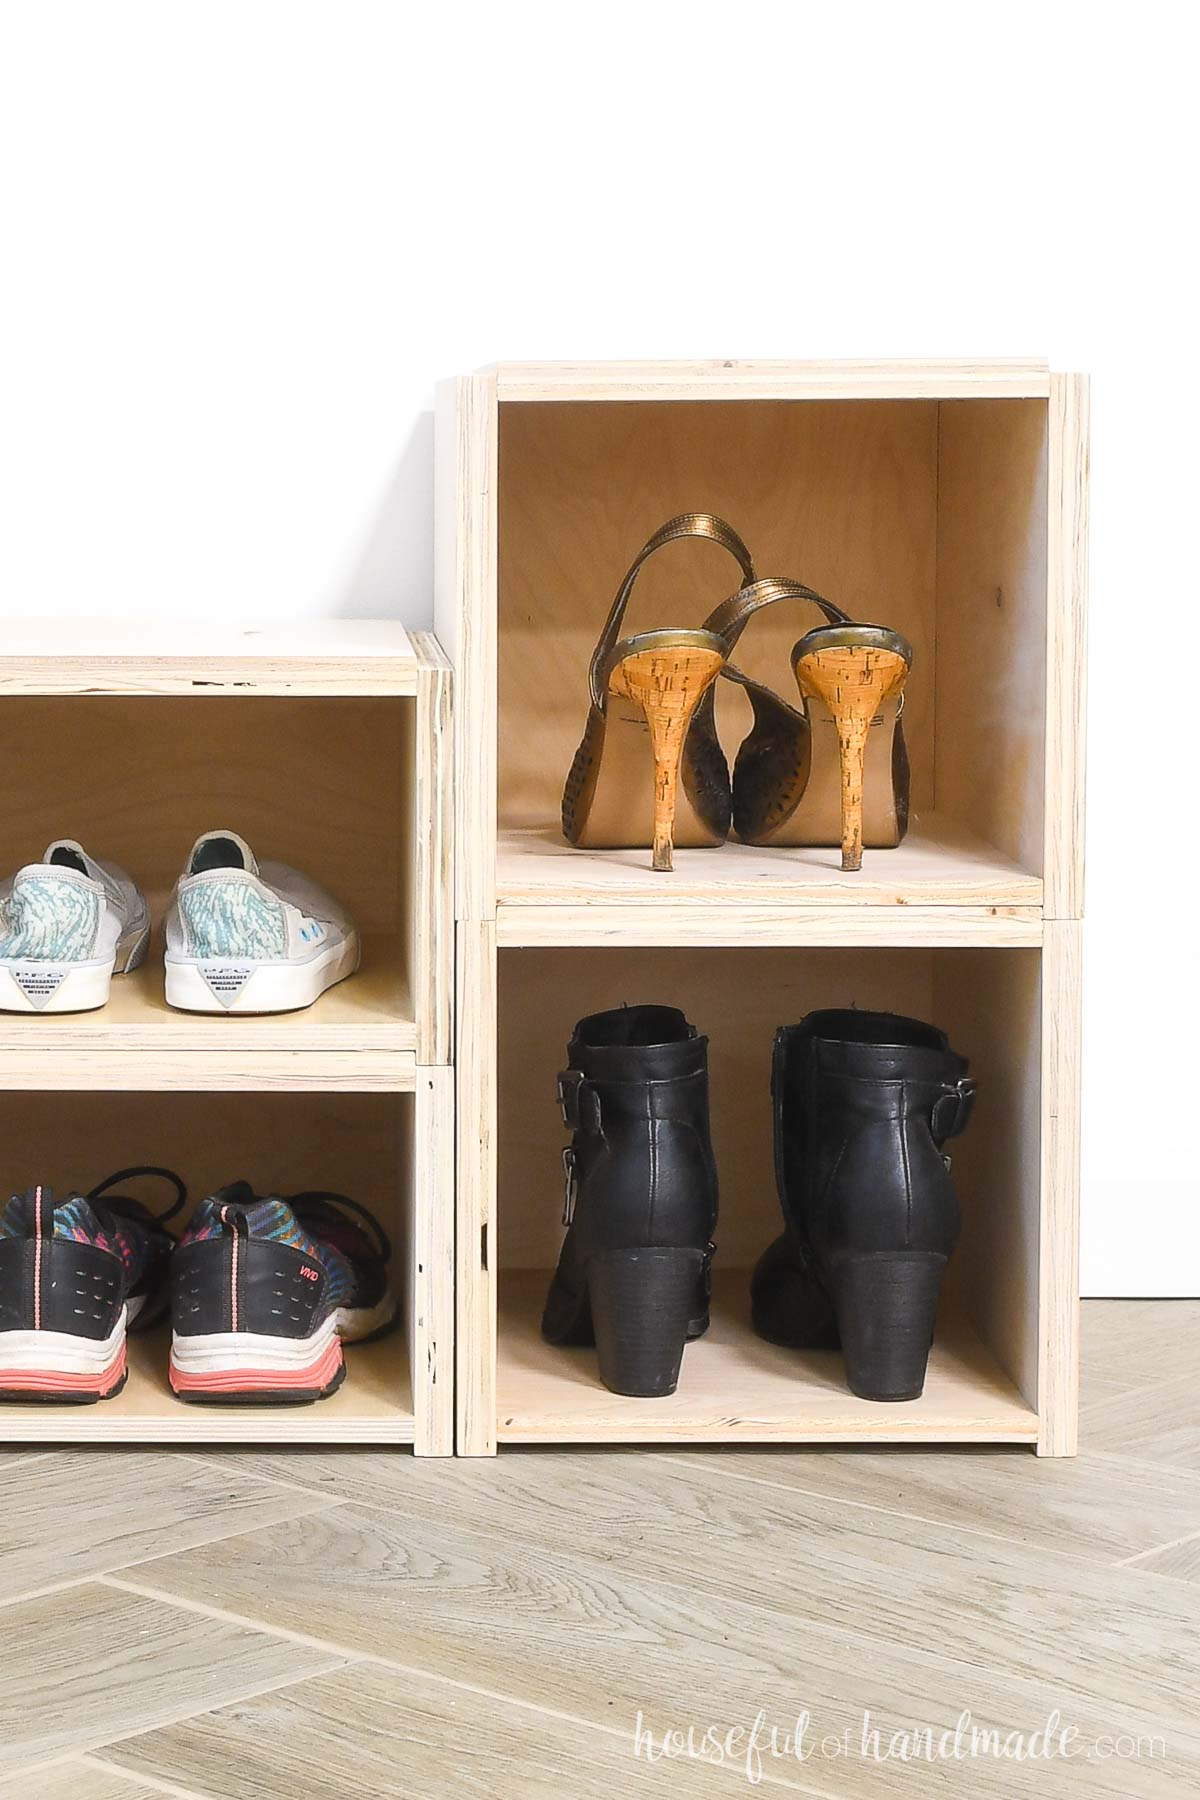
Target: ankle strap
[684,525]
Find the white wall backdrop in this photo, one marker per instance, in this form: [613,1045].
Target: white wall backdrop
[242,238]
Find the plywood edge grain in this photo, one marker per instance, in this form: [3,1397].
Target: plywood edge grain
[1058,1259]
[145,656]
[221,1071]
[465,610]
[732,379]
[739,926]
[1066,645]
[475,1132]
[431,1265]
[433,897]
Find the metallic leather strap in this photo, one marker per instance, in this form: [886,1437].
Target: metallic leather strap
[853,637]
[730,619]
[684,525]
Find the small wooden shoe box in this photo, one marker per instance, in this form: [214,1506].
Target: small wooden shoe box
[326,746]
[947,499]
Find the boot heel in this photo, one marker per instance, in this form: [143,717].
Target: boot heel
[886,1303]
[854,669]
[642,1301]
[668,683]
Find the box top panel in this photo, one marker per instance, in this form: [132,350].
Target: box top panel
[883,379]
[182,656]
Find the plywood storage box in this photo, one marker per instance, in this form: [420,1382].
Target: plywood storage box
[326,746]
[947,500]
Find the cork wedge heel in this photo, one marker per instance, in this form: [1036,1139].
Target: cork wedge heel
[854,672]
[786,785]
[650,768]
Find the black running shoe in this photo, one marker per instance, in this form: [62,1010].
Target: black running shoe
[265,1290]
[75,1275]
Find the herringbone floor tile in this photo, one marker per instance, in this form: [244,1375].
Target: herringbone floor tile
[349,1623]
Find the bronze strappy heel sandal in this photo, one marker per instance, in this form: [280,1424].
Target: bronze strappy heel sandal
[835,769]
[657,683]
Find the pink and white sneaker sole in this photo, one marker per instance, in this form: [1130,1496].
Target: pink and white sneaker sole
[54,1365]
[253,1367]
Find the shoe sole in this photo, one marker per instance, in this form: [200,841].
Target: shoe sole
[233,1368]
[55,1366]
[29,986]
[240,985]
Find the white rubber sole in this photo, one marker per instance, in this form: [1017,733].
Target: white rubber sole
[56,1364]
[240,985]
[59,987]
[224,1363]
[214,1351]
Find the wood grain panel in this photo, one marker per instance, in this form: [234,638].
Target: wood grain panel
[991,622]
[313,783]
[990,1006]
[841,496]
[278,1142]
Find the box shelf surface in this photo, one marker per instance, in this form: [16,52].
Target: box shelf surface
[547,892]
[734,1388]
[372,1406]
[372,1146]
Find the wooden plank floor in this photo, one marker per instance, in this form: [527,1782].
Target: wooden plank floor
[273,1623]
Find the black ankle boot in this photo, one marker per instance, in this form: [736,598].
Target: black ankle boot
[863,1104]
[641,1200]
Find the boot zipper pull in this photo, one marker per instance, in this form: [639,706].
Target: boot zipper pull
[570,1185]
[710,1251]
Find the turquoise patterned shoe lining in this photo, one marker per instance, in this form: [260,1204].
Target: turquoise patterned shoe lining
[233,918]
[48,920]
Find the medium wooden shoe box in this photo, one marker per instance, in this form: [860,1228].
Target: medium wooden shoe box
[328,747]
[945,499]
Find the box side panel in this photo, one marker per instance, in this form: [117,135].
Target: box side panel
[989,1002]
[991,622]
